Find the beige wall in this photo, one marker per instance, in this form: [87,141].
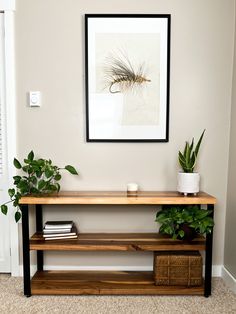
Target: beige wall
[230,248]
[50,58]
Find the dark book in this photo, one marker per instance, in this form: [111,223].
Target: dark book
[58,224]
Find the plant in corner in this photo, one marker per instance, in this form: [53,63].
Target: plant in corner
[188,180]
[41,176]
[184,222]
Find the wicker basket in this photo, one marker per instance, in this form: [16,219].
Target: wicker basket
[177,268]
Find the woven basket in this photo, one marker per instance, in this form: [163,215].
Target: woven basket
[172,268]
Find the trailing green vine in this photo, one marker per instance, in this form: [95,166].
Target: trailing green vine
[41,176]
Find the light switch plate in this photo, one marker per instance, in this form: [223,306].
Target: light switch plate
[35,99]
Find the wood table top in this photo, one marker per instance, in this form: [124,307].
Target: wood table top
[119,198]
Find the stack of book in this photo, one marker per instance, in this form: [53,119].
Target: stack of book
[59,230]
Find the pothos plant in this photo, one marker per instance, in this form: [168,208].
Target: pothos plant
[41,176]
[175,219]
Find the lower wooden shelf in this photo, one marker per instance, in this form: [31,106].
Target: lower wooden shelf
[117,242]
[104,283]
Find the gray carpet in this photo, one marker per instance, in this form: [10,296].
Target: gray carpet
[13,301]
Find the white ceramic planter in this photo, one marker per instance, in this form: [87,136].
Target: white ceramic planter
[188,183]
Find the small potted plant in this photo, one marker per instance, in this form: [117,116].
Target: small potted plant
[188,180]
[184,222]
[40,176]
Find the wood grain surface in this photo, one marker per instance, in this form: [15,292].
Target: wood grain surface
[104,283]
[117,242]
[119,198]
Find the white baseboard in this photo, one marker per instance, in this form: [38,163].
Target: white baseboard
[229,280]
[33,269]
[101,268]
[216,269]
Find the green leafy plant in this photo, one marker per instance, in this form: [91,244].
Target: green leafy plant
[41,176]
[173,220]
[188,158]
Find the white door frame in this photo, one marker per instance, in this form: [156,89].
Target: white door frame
[8,7]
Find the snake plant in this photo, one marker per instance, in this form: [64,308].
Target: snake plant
[188,158]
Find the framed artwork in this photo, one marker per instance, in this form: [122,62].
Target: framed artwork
[127,77]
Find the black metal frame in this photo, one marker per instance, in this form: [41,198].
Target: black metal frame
[26,250]
[208,257]
[26,247]
[39,227]
[168,17]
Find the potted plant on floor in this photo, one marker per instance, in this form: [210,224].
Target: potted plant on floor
[184,222]
[40,176]
[188,180]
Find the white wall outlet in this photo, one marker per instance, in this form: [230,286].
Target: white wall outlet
[35,99]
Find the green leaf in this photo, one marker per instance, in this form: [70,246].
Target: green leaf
[16,179]
[17,163]
[191,146]
[162,218]
[41,184]
[30,170]
[187,158]
[181,233]
[185,150]
[202,214]
[71,169]
[17,196]
[34,190]
[48,173]
[24,187]
[193,161]
[181,158]
[208,222]
[33,179]
[57,177]
[22,184]
[17,216]
[31,155]
[39,173]
[168,229]
[183,165]
[52,187]
[16,203]
[58,186]
[199,143]
[40,162]
[25,168]
[4,209]
[11,192]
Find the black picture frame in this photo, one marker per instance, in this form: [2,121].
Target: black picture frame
[127,100]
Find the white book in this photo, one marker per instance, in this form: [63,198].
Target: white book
[62,234]
[61,238]
[59,230]
[58,225]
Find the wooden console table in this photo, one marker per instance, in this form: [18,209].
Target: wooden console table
[108,282]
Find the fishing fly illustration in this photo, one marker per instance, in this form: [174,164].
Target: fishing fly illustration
[121,76]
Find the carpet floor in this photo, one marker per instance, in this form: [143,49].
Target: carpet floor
[12,301]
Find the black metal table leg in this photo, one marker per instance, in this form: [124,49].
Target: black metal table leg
[39,228]
[26,250]
[208,258]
